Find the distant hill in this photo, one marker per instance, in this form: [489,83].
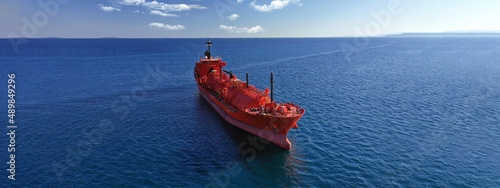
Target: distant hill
[445,35]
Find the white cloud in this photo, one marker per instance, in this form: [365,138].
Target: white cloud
[168,7]
[197,7]
[229,28]
[232,29]
[240,1]
[108,9]
[166,26]
[164,14]
[274,5]
[233,17]
[155,5]
[131,2]
[256,29]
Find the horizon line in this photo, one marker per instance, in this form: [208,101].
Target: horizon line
[401,35]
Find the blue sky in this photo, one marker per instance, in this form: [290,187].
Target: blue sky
[242,18]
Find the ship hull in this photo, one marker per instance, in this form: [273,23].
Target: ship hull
[271,136]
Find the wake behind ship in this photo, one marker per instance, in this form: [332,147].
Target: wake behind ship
[243,105]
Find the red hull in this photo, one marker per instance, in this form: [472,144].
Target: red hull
[274,137]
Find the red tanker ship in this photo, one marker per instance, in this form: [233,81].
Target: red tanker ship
[243,105]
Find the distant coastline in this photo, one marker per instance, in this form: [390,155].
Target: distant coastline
[444,35]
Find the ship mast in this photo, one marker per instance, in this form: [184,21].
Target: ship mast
[207,53]
[272,87]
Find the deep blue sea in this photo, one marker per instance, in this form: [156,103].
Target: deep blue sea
[380,112]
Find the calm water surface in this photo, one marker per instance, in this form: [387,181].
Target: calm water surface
[415,112]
